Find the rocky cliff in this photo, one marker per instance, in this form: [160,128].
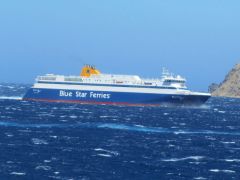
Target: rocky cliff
[230,87]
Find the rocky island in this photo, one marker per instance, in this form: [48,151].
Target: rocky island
[230,87]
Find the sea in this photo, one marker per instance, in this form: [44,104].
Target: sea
[40,140]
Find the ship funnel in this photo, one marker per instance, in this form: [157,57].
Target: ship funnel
[89,70]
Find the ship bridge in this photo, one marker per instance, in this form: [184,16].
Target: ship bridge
[169,79]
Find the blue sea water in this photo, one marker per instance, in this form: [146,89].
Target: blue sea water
[73,141]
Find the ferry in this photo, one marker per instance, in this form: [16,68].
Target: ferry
[94,87]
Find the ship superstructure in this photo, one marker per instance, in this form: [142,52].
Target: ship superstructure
[94,87]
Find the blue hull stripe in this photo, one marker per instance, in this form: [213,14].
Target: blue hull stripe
[113,97]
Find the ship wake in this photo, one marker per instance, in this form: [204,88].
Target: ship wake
[11,98]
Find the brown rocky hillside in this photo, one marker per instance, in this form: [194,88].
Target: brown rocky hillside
[230,87]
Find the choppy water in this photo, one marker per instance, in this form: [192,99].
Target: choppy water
[73,141]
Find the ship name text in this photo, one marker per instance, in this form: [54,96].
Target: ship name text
[79,94]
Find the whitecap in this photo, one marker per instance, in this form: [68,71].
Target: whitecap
[214,170]
[18,173]
[196,158]
[39,141]
[224,171]
[105,155]
[182,124]
[9,162]
[55,137]
[232,160]
[47,161]
[228,142]
[228,171]
[9,135]
[45,168]
[11,97]
[107,151]
[73,117]
[199,178]
[180,132]
[64,120]
[139,126]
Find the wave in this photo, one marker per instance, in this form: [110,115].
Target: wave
[107,151]
[196,158]
[232,160]
[11,97]
[224,171]
[121,127]
[105,155]
[18,173]
[163,130]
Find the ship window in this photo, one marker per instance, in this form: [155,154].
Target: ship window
[176,81]
[73,79]
[47,78]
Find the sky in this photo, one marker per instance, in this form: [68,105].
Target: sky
[199,39]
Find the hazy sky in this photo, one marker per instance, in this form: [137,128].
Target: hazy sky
[199,39]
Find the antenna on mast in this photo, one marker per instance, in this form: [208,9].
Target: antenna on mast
[165,72]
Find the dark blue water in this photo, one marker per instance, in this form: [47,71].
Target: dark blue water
[73,141]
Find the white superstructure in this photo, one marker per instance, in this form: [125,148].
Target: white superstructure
[166,81]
